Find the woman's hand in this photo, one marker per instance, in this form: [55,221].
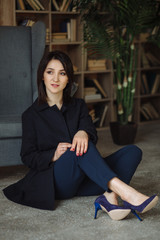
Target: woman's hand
[61,148]
[80,143]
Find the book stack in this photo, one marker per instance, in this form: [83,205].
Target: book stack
[59,36]
[35,5]
[47,35]
[96,64]
[149,112]
[63,6]
[90,93]
[94,84]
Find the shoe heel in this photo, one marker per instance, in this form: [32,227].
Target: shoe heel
[134,212]
[97,208]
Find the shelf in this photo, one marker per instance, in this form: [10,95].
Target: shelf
[98,100]
[64,13]
[77,73]
[150,95]
[32,11]
[155,68]
[97,71]
[66,43]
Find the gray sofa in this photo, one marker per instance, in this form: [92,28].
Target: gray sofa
[21,49]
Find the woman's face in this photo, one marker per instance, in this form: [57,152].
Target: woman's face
[55,78]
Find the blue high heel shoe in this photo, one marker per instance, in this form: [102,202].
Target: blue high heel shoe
[115,212]
[144,207]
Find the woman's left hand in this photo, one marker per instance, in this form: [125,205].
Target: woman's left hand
[80,143]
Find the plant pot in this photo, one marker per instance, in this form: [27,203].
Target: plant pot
[123,134]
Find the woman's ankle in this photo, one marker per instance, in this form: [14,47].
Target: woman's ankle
[111,197]
[135,198]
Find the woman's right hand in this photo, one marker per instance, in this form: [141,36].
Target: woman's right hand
[61,148]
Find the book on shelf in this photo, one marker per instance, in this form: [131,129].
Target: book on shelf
[99,87]
[104,113]
[27,22]
[101,113]
[55,4]
[47,35]
[156,84]
[93,96]
[85,58]
[35,5]
[96,64]
[90,90]
[63,6]
[59,36]
[73,29]
[98,114]
[95,119]
[144,114]
[95,83]
[27,6]
[20,5]
[144,85]
[31,4]
[92,113]
[40,5]
[150,83]
[90,93]
[149,112]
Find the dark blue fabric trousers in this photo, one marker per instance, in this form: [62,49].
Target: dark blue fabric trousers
[89,174]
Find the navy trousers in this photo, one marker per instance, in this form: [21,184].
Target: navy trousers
[89,174]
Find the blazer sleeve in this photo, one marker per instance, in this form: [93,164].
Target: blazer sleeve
[30,154]
[86,124]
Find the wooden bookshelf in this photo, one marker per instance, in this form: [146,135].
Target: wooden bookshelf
[11,15]
[148,93]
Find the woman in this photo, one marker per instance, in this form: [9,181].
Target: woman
[58,145]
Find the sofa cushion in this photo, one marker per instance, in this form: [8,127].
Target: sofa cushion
[10,127]
[15,69]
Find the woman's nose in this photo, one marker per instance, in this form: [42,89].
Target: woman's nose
[55,77]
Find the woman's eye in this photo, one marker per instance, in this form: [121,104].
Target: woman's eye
[49,72]
[63,73]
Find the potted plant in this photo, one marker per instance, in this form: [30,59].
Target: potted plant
[110,29]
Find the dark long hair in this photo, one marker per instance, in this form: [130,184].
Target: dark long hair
[68,67]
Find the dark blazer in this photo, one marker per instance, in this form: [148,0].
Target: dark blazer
[43,127]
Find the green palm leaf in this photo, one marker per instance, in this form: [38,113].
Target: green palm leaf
[110,29]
